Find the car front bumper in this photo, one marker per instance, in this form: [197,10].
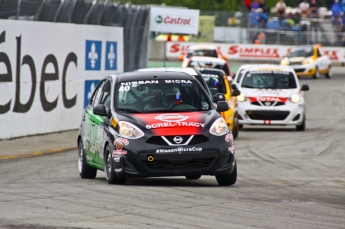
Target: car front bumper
[289,114]
[153,161]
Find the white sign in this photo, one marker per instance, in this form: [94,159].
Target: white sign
[48,71]
[174,20]
[250,51]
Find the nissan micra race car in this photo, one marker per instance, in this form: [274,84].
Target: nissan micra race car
[309,61]
[271,95]
[151,124]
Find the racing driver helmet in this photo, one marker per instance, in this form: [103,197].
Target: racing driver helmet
[171,96]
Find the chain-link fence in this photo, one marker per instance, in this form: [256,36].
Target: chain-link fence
[133,19]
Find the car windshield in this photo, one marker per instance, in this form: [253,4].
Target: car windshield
[149,96]
[215,83]
[208,64]
[269,80]
[201,52]
[301,52]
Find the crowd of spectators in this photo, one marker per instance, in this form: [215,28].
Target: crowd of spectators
[338,21]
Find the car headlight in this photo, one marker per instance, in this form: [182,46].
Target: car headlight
[295,98]
[308,61]
[284,62]
[219,127]
[128,130]
[241,98]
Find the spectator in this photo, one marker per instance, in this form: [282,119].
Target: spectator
[247,4]
[313,9]
[181,38]
[339,29]
[263,6]
[169,37]
[255,5]
[260,38]
[336,11]
[280,8]
[304,8]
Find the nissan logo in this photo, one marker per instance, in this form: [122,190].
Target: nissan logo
[178,139]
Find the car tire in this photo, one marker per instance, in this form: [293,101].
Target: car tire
[236,128]
[193,177]
[329,72]
[109,168]
[241,126]
[316,74]
[302,126]
[227,179]
[85,170]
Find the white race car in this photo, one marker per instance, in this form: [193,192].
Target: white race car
[271,95]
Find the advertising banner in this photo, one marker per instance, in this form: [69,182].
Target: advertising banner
[48,72]
[174,20]
[250,51]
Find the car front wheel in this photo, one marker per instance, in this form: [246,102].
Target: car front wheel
[85,170]
[109,169]
[329,72]
[316,74]
[301,127]
[227,179]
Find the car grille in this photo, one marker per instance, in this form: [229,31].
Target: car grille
[193,164]
[196,139]
[299,70]
[268,104]
[295,63]
[267,115]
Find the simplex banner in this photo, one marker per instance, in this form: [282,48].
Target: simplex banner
[48,72]
[174,20]
[250,51]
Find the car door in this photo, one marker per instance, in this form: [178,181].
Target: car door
[321,59]
[90,120]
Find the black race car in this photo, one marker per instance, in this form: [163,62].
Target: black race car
[151,124]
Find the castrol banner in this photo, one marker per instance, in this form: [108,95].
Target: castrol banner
[174,20]
[250,51]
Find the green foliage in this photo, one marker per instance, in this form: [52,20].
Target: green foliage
[219,5]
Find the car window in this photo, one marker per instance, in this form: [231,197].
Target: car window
[161,95]
[97,93]
[215,83]
[239,76]
[301,52]
[321,52]
[269,80]
[201,52]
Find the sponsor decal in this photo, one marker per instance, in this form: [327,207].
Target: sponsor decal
[179,150]
[93,54]
[179,48]
[275,92]
[231,149]
[174,124]
[123,141]
[263,52]
[140,82]
[171,117]
[267,122]
[229,138]
[119,152]
[178,81]
[267,99]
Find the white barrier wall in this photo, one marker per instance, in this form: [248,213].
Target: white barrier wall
[48,70]
[249,51]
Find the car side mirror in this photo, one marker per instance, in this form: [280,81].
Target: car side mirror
[235,92]
[222,106]
[100,110]
[305,87]
[223,57]
[180,58]
[219,97]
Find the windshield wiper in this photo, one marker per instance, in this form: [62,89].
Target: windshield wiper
[128,110]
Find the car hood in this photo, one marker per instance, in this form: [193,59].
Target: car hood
[182,123]
[296,59]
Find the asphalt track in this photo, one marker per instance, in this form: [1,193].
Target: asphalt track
[286,179]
